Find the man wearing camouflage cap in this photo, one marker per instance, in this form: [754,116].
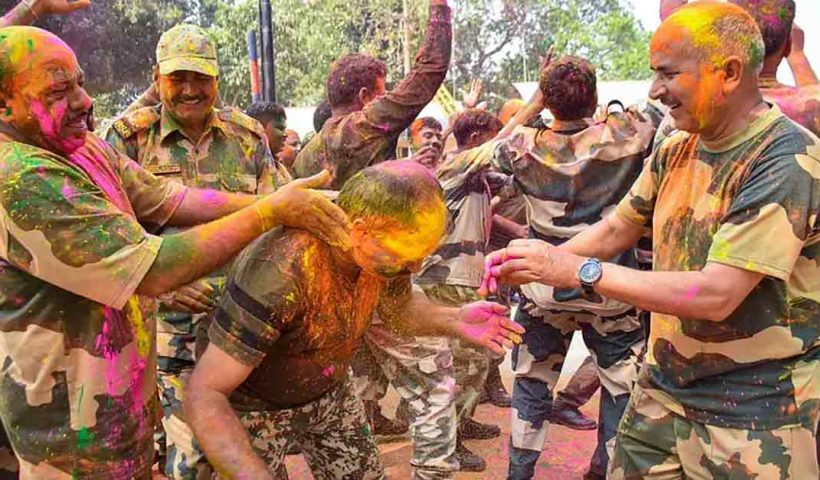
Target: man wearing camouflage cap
[186,138]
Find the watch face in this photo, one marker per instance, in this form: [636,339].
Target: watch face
[590,272]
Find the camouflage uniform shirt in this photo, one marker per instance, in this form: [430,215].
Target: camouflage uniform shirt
[232,156]
[295,314]
[78,383]
[751,202]
[349,143]
[571,175]
[459,260]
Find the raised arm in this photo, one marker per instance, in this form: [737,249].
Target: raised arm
[27,11]
[798,62]
[396,110]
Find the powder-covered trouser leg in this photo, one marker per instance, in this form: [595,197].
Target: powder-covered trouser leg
[369,379]
[332,432]
[615,343]
[421,370]
[655,443]
[472,363]
[9,468]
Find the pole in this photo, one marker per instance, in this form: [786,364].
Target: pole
[406,19]
[268,47]
[253,56]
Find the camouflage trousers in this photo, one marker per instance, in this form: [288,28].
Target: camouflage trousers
[654,443]
[439,379]
[176,340]
[9,467]
[332,432]
[616,344]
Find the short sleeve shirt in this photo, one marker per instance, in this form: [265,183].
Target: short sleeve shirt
[295,315]
[77,387]
[750,202]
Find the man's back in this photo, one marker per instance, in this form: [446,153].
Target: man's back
[296,314]
[801,104]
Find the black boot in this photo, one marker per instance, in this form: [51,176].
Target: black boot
[472,430]
[467,460]
[494,391]
[569,416]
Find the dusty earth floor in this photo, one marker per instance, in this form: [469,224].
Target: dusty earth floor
[565,457]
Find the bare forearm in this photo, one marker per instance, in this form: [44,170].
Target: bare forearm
[230,451]
[192,254]
[604,240]
[19,15]
[683,294]
[203,206]
[422,318]
[802,70]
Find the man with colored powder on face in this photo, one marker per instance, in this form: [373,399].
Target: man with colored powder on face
[421,368]
[425,138]
[571,173]
[23,14]
[783,40]
[731,382]
[366,121]
[186,139]
[286,330]
[78,384]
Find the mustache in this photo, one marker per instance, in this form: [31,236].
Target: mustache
[87,115]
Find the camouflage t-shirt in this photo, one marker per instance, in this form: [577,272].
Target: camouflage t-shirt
[571,175]
[459,260]
[801,104]
[296,313]
[78,377]
[750,202]
[347,144]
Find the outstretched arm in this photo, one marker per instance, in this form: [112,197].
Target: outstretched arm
[27,11]
[482,323]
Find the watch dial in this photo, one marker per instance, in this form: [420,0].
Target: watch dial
[589,272]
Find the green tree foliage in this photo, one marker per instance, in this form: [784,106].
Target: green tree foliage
[499,41]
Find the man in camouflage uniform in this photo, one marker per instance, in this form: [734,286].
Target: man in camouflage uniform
[366,122]
[285,332]
[570,174]
[731,383]
[186,139]
[78,385]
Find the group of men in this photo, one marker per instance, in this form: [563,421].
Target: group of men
[182,260]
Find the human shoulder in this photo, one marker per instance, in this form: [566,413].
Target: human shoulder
[244,123]
[130,124]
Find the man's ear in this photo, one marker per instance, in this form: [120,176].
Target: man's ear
[364,96]
[5,110]
[733,72]
[155,73]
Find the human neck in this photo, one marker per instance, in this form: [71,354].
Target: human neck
[747,110]
[770,66]
[344,110]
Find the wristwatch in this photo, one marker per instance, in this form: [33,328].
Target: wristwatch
[589,274]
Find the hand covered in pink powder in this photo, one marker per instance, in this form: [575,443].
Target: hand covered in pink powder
[529,261]
[488,324]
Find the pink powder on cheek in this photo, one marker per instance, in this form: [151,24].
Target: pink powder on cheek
[50,122]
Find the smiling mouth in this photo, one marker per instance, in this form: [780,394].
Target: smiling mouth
[79,123]
[190,103]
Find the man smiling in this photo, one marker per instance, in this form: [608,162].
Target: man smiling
[731,384]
